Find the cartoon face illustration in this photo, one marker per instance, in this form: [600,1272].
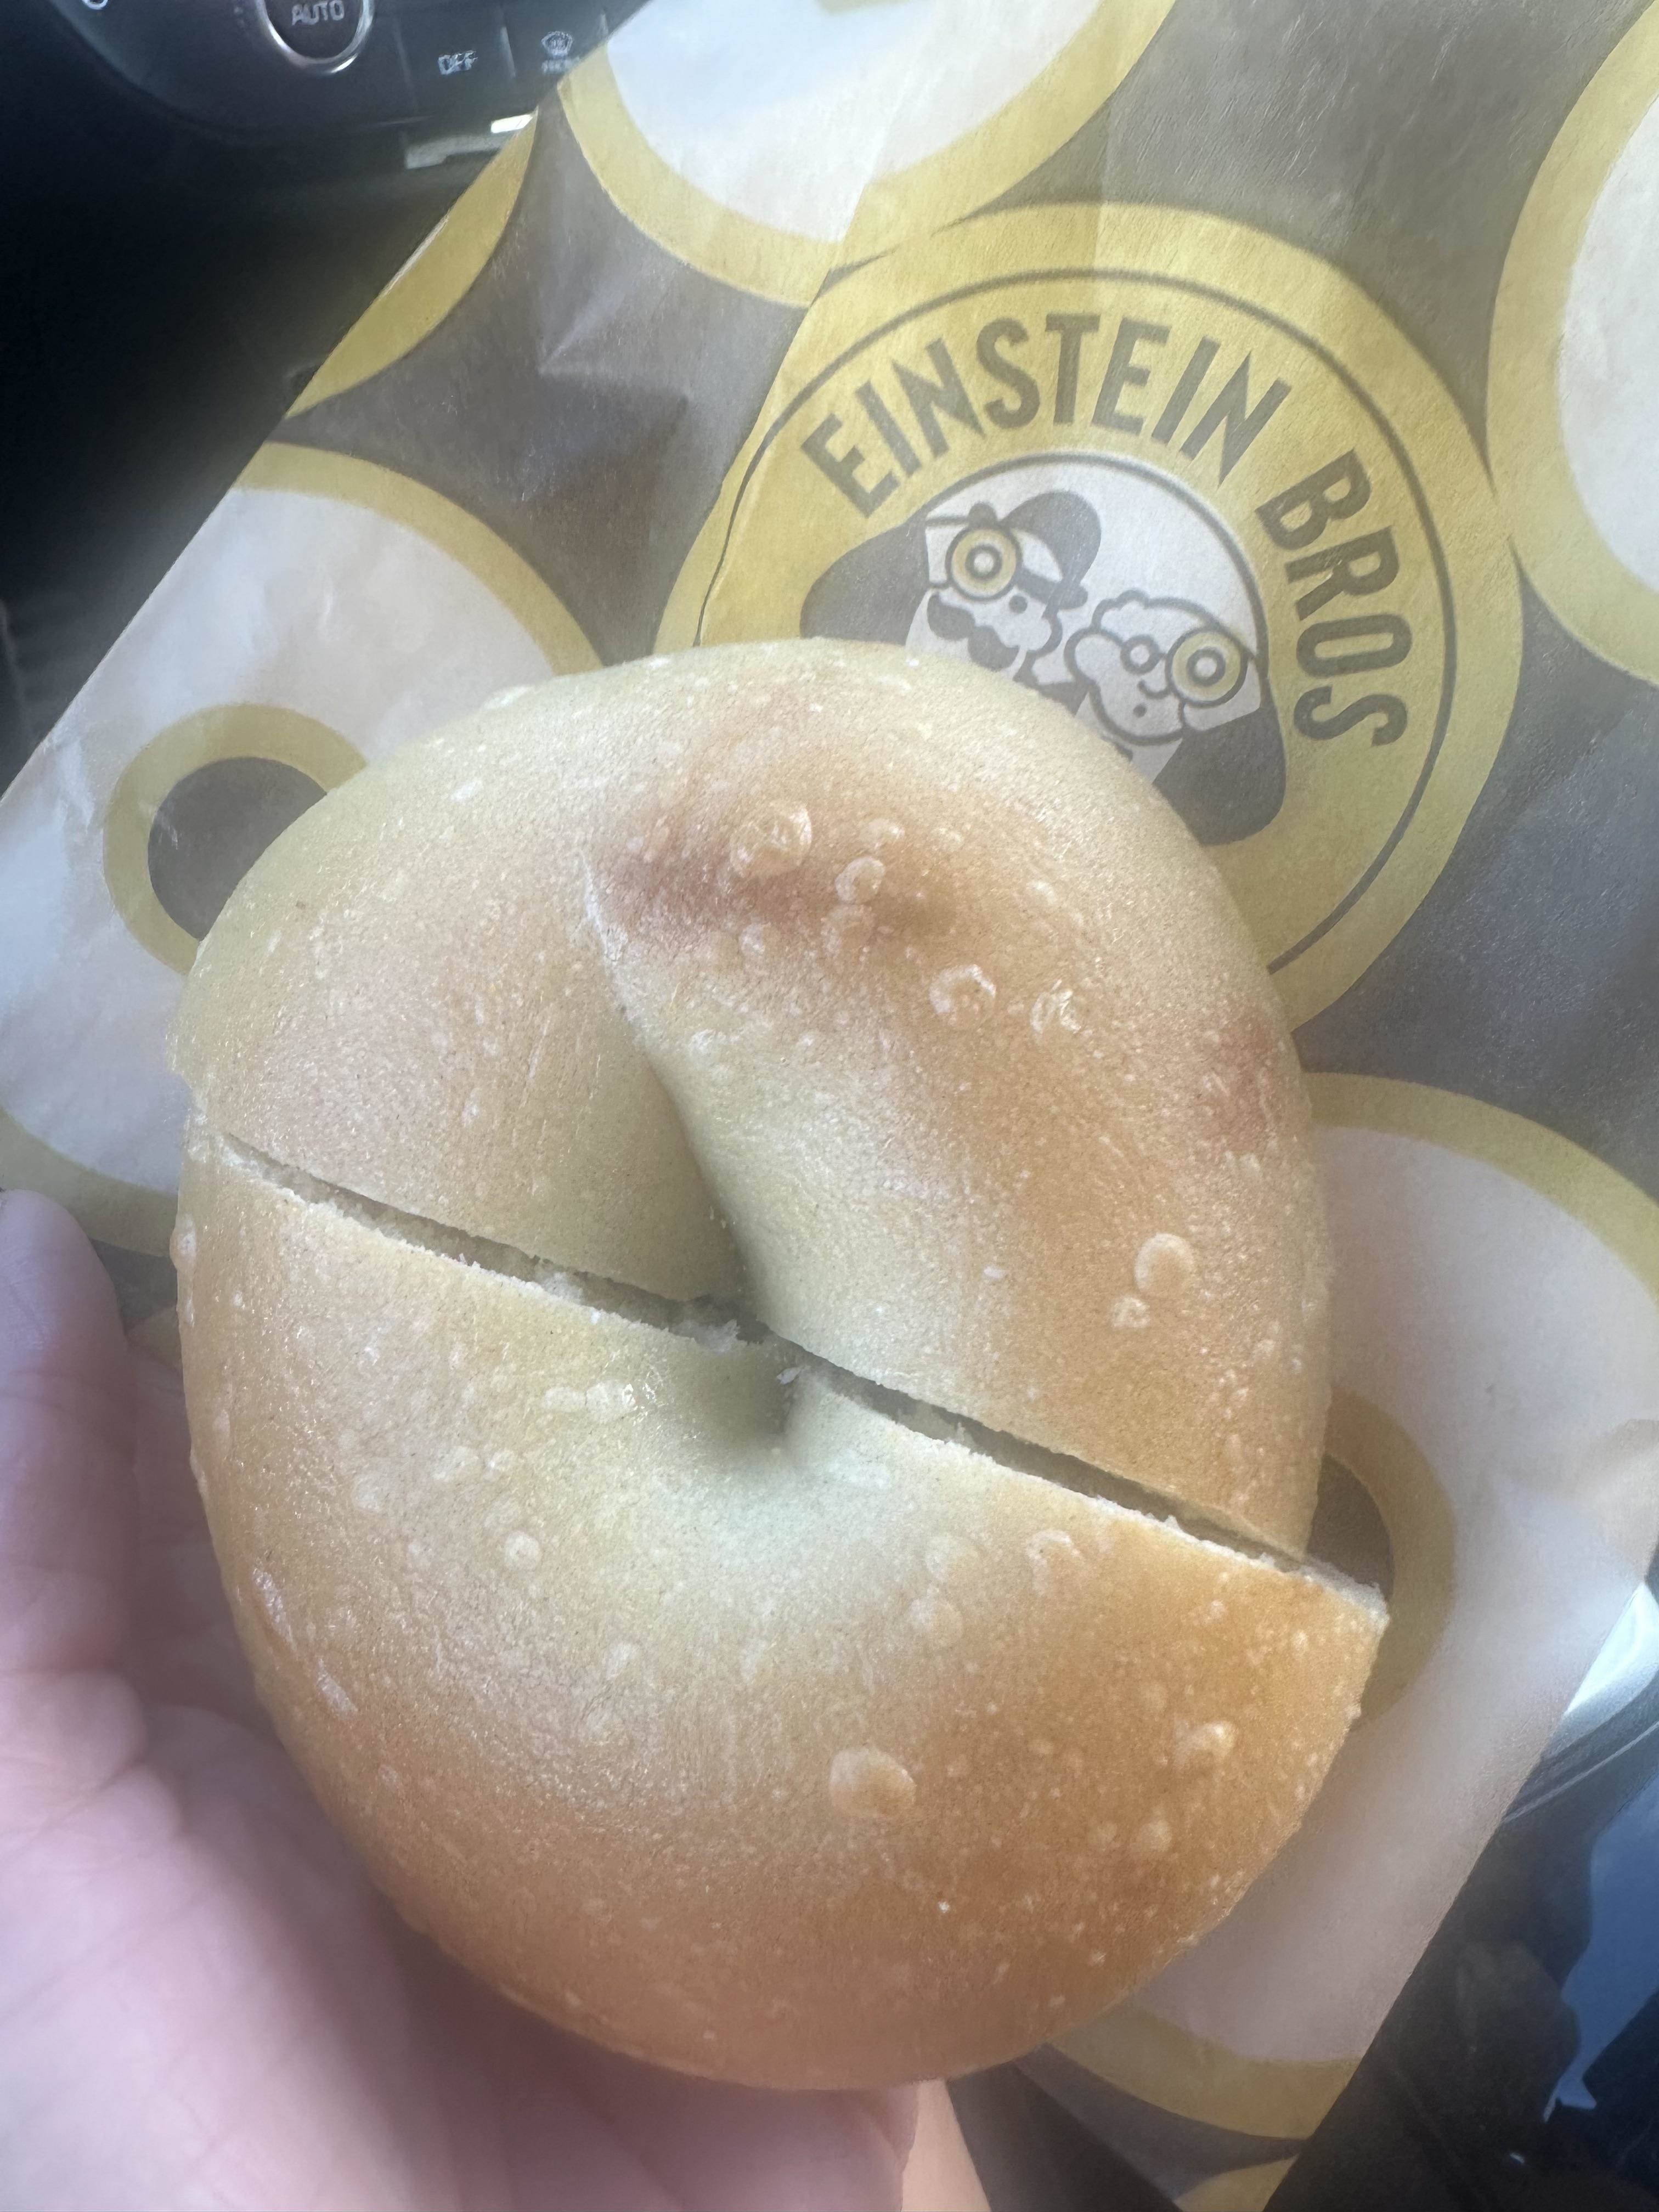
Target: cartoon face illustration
[1155,669]
[1110,590]
[1002,586]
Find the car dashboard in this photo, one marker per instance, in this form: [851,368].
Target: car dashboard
[201,197]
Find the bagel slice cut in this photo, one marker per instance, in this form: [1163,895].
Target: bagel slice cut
[700,1706]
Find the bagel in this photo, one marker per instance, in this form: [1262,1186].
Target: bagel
[753,1293]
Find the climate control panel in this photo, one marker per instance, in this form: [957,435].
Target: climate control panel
[275,69]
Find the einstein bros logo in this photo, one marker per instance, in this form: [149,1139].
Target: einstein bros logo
[1102,585]
[1191,485]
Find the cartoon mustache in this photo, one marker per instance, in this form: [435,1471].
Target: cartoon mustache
[985,648]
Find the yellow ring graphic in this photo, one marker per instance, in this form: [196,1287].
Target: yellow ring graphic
[218,733]
[1615,1211]
[133,1216]
[1614,612]
[1132,2047]
[127,1214]
[1407,1493]
[1185,2074]
[785,265]
[432,282]
[674,213]
[1247,2189]
[535,605]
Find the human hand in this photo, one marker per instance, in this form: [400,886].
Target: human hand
[203,2003]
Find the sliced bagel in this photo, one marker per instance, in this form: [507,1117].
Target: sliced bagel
[702,1707]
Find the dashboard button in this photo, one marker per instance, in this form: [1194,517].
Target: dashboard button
[321,34]
[457,58]
[548,37]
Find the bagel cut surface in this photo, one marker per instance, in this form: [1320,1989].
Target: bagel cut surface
[757,1685]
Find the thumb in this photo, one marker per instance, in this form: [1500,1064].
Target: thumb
[67,1530]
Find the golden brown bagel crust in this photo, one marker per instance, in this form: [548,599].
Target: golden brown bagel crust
[732,1725]
[892,967]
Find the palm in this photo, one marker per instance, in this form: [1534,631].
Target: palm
[202,2002]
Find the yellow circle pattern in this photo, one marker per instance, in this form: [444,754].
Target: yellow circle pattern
[1598,599]
[1365,828]
[784,265]
[432,282]
[218,733]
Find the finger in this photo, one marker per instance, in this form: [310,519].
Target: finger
[67,1524]
[184,1650]
[66,1521]
[939,2175]
[169,1504]
[563,2124]
[717,2147]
